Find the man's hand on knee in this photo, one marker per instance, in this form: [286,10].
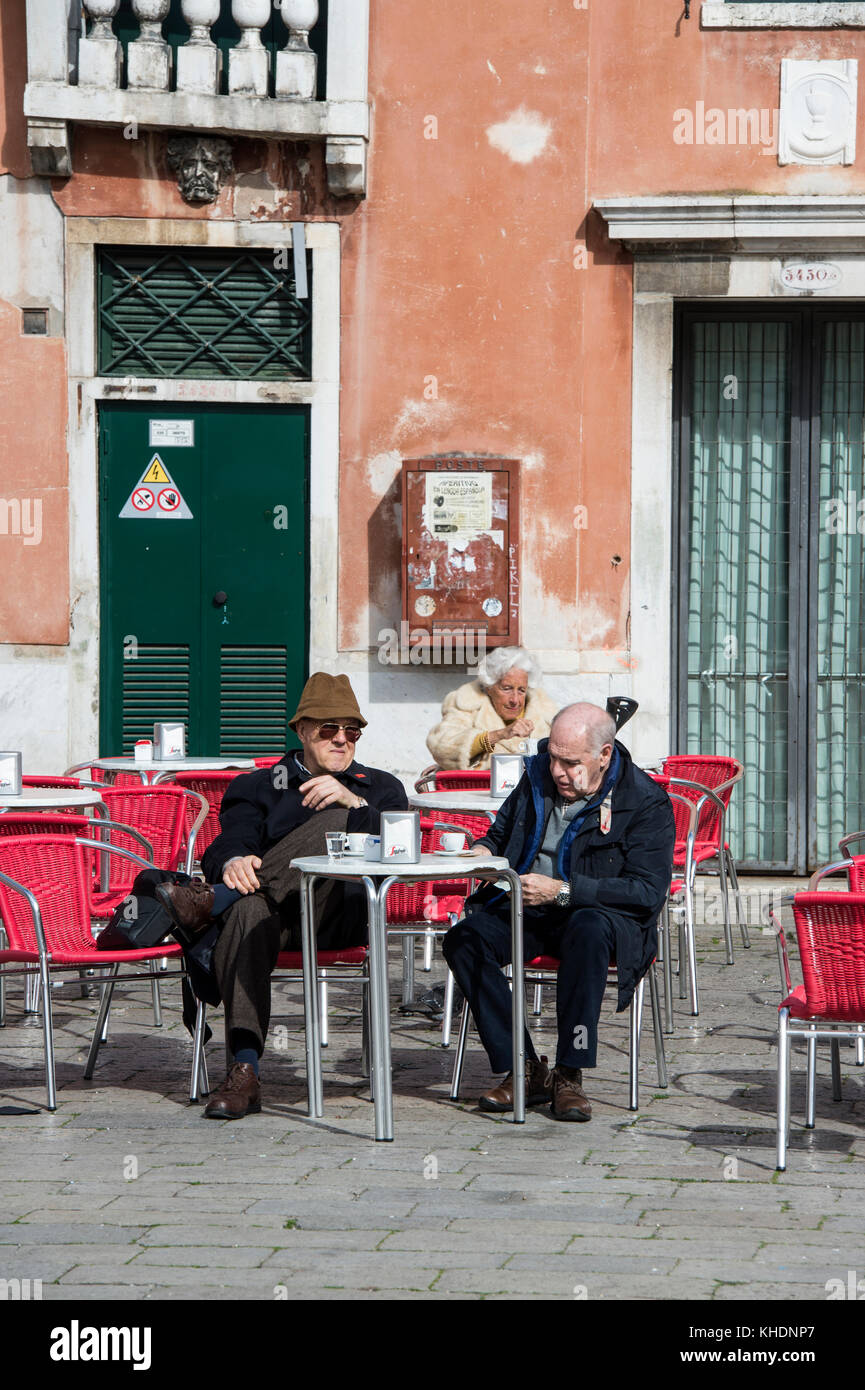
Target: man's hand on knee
[239,873]
[320,792]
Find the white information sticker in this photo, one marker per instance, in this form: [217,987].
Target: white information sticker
[458,504]
[172,434]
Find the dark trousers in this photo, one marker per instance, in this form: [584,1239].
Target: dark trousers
[581,938]
[257,927]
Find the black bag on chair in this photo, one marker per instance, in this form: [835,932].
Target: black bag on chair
[140,920]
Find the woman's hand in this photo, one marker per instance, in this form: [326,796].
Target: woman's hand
[521,728]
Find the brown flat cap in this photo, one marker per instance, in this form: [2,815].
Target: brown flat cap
[327,697]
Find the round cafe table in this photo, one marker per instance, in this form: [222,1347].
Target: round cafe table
[377,877]
[52,799]
[156,769]
[471,803]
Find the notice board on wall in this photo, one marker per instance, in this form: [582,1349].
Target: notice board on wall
[460,550]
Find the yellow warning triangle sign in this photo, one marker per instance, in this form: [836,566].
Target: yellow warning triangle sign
[156,472]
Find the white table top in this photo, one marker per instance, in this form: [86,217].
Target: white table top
[479,802]
[49,798]
[126,764]
[430,866]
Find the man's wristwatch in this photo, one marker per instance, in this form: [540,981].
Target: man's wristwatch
[359,802]
[563,898]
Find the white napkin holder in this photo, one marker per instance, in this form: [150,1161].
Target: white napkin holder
[10,774]
[400,837]
[506,769]
[169,741]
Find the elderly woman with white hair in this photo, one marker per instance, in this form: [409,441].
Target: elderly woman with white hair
[494,714]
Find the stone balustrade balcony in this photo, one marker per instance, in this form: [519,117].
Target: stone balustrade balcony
[180,73]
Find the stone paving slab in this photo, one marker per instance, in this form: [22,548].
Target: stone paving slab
[678,1201]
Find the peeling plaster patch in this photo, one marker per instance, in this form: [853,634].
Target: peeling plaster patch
[423,415]
[522,137]
[382,469]
[595,624]
[532,460]
[493,71]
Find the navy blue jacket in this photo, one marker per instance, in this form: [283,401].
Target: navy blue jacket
[260,808]
[624,873]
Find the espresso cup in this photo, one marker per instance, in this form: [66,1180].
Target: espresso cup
[356,841]
[453,841]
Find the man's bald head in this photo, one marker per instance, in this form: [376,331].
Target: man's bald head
[585,722]
[580,747]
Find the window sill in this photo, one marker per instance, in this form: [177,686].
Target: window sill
[722,14]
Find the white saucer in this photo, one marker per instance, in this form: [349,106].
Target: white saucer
[455,853]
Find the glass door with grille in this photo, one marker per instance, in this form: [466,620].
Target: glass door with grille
[203,561]
[770,569]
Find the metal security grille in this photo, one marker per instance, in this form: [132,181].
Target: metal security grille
[155,690]
[254,709]
[202,314]
[738,504]
[771,620]
[837,610]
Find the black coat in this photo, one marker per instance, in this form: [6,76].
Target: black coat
[260,808]
[625,873]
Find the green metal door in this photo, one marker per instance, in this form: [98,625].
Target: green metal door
[214,502]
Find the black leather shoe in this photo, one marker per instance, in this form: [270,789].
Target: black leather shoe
[239,1095]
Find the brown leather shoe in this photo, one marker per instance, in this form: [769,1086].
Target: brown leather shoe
[569,1099]
[501,1097]
[239,1095]
[189,905]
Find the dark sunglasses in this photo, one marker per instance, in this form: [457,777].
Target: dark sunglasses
[329,731]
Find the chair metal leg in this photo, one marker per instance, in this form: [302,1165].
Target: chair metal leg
[783,1102]
[408,969]
[198,1079]
[157,1004]
[634,1019]
[364,1044]
[691,944]
[31,994]
[538,999]
[101,1021]
[682,955]
[660,1056]
[322,1007]
[835,1045]
[725,899]
[4,942]
[667,947]
[447,1019]
[460,1051]
[860,1046]
[48,1034]
[428,941]
[741,914]
[811,1083]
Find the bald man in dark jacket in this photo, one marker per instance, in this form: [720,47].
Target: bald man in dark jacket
[592,838]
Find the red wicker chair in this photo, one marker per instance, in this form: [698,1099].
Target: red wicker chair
[159,813]
[830,1003]
[212,786]
[695,773]
[45,906]
[429,909]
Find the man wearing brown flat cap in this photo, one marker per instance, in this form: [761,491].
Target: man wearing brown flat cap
[268,818]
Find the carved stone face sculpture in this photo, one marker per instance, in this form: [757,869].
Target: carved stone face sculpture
[200,162]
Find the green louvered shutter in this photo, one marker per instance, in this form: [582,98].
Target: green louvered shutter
[253,701]
[203,313]
[155,689]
